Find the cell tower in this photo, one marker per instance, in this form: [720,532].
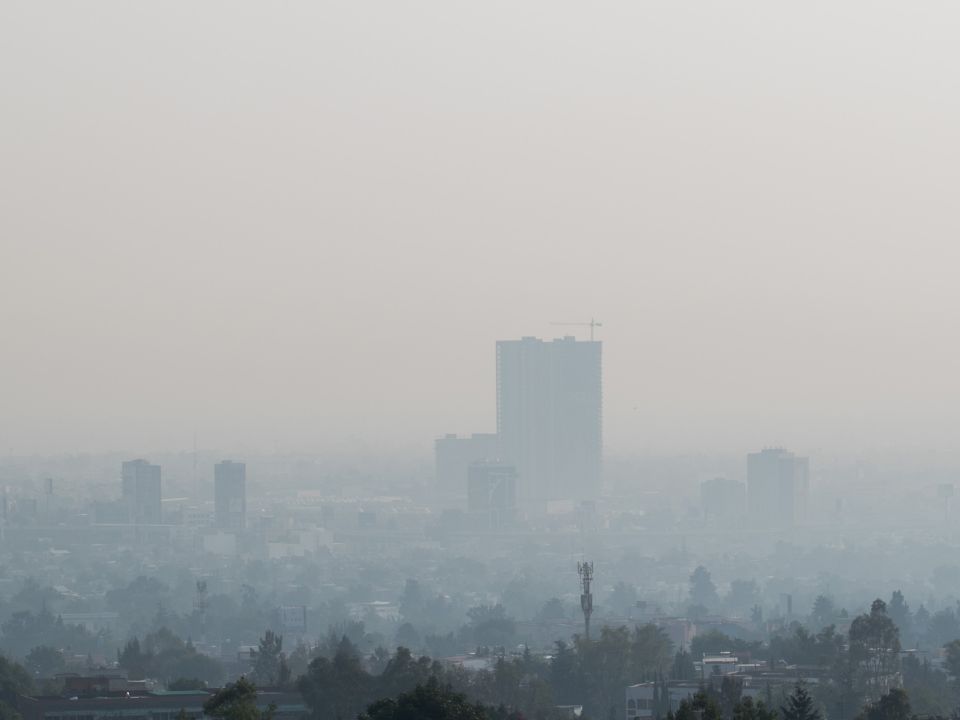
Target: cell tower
[586,597]
[200,603]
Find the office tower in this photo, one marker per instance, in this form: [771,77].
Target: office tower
[453,456]
[549,417]
[230,495]
[723,500]
[492,492]
[778,483]
[141,492]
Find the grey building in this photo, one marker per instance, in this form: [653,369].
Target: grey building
[492,492]
[230,495]
[549,417]
[141,494]
[453,456]
[778,483]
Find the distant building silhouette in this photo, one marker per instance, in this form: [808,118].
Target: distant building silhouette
[141,493]
[723,499]
[230,495]
[778,484]
[492,492]
[453,456]
[549,417]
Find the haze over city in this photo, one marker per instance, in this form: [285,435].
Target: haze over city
[307,229]
[479,361]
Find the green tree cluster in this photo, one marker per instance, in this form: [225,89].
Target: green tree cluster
[164,656]
[594,672]
[236,701]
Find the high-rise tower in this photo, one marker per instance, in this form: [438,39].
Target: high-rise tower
[230,495]
[141,492]
[549,417]
[778,483]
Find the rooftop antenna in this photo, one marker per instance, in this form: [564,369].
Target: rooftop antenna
[592,324]
[585,569]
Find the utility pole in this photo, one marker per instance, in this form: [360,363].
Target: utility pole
[585,570]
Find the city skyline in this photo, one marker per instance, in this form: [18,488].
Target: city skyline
[479,361]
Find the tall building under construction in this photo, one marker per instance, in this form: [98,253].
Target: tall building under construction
[549,417]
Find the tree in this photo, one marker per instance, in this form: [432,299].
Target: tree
[44,661]
[698,707]
[490,626]
[952,649]
[426,702]
[683,667]
[747,709]
[921,621]
[14,682]
[650,649]
[336,687]
[266,668]
[165,656]
[407,636]
[895,705]
[727,696]
[943,626]
[661,698]
[930,690]
[404,672]
[565,674]
[874,648]
[823,613]
[702,590]
[134,660]
[605,669]
[24,630]
[899,612]
[800,705]
[300,658]
[236,701]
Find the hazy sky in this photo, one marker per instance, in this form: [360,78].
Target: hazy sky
[298,224]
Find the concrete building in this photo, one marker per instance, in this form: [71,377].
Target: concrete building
[230,495]
[141,494]
[453,456]
[778,484]
[723,500]
[492,492]
[549,417]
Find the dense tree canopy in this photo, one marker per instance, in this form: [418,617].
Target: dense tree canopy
[426,702]
[236,701]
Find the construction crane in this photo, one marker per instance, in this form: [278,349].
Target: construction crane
[592,324]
